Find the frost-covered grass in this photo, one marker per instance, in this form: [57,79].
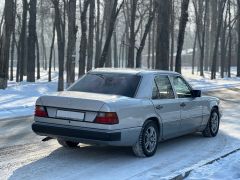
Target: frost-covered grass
[19,98]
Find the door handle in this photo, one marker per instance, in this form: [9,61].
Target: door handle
[158,107]
[182,104]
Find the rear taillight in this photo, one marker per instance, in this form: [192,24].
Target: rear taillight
[40,111]
[107,118]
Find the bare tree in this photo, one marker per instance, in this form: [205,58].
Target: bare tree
[163,30]
[31,41]
[5,43]
[238,47]
[51,52]
[194,51]
[146,31]
[220,20]
[201,18]
[181,34]
[13,43]
[132,34]
[71,46]
[172,33]
[38,57]
[22,41]
[60,28]
[114,14]
[90,35]
[83,42]
[230,40]
[42,17]
[99,31]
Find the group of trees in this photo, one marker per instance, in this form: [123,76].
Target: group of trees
[86,34]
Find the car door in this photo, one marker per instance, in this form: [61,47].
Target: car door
[191,108]
[166,106]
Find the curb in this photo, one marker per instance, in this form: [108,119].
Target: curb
[185,174]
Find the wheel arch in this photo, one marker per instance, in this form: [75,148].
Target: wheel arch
[213,104]
[157,121]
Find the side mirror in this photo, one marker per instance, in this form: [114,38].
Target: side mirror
[196,93]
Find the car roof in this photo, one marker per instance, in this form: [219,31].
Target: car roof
[132,71]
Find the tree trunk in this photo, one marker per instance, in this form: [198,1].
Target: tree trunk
[172,34]
[238,47]
[201,13]
[220,19]
[22,40]
[13,39]
[44,55]
[194,52]
[18,62]
[38,58]
[181,34]
[90,36]
[229,41]
[207,44]
[142,44]
[163,31]
[153,44]
[60,28]
[214,20]
[97,36]
[5,43]
[132,34]
[71,46]
[83,42]
[223,50]
[115,50]
[113,18]
[51,52]
[31,41]
[109,5]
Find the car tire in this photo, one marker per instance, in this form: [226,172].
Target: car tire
[212,127]
[147,143]
[69,144]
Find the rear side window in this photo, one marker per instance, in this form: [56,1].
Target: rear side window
[162,88]
[108,83]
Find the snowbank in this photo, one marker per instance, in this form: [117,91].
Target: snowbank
[19,98]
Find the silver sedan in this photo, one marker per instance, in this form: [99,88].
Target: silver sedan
[123,107]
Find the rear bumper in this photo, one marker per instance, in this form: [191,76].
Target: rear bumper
[87,135]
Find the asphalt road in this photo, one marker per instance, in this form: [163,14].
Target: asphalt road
[24,156]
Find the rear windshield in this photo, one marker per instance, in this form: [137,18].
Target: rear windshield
[108,83]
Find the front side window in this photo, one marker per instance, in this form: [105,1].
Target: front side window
[108,83]
[162,88]
[181,87]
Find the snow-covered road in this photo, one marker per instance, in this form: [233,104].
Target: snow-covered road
[47,160]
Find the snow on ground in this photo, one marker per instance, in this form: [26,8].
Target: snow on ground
[103,162]
[206,84]
[227,168]
[91,162]
[19,98]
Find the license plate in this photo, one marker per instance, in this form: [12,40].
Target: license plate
[70,115]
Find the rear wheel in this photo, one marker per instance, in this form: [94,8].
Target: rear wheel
[69,144]
[147,143]
[212,127]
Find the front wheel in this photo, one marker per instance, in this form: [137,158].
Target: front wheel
[147,143]
[212,127]
[68,144]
